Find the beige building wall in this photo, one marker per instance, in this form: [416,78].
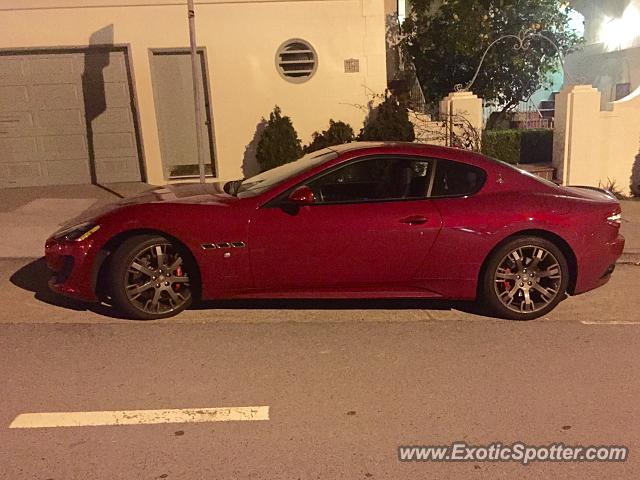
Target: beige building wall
[241,38]
[594,147]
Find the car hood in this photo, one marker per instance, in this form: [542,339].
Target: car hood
[183,193]
[189,193]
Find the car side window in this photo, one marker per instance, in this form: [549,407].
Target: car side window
[454,179]
[375,179]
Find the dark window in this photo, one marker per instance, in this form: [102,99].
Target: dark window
[455,179]
[622,90]
[377,179]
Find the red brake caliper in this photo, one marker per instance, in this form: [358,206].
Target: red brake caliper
[176,286]
[507,284]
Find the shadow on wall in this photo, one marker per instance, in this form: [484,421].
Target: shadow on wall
[635,177]
[250,165]
[96,59]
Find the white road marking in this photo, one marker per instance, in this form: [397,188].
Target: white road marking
[139,417]
[614,322]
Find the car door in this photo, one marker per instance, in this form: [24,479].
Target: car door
[370,225]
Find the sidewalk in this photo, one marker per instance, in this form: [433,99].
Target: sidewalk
[28,216]
[631,230]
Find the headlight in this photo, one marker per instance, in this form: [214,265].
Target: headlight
[76,233]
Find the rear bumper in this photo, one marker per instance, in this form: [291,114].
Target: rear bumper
[72,266]
[595,269]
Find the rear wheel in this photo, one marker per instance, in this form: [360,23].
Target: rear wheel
[150,277]
[525,278]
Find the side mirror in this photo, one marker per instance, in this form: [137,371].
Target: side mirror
[302,195]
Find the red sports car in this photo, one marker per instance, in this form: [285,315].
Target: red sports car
[362,220]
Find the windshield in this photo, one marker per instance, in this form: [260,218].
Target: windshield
[258,184]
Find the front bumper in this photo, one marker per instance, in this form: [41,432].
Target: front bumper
[72,267]
[595,269]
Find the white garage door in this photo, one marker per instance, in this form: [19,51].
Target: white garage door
[66,118]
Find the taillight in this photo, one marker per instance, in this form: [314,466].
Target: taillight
[615,219]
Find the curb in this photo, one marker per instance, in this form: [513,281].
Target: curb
[629,258]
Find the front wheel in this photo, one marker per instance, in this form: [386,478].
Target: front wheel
[150,278]
[525,279]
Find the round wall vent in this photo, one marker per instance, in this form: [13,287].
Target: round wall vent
[296,61]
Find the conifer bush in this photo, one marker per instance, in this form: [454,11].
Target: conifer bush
[279,143]
[337,134]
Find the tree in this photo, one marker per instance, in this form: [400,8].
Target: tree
[389,121]
[279,143]
[337,134]
[446,39]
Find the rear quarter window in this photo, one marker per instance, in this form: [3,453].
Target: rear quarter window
[454,179]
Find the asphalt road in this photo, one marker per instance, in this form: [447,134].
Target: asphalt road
[346,383]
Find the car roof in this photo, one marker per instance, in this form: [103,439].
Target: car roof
[423,148]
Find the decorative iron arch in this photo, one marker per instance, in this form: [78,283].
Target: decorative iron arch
[523,43]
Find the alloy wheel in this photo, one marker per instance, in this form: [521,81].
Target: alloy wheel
[155,280]
[528,279]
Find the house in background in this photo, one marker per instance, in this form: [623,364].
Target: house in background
[101,90]
[597,117]
[610,59]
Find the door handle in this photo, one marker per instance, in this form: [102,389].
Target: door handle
[415,220]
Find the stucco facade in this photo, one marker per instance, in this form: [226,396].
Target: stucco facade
[240,40]
[597,124]
[610,58]
[594,147]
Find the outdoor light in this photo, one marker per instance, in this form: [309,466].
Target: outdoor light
[621,33]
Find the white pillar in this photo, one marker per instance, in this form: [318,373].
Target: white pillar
[464,104]
[577,141]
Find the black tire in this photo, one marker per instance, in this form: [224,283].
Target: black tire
[158,293]
[512,293]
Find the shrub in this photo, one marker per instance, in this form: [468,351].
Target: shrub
[279,143]
[612,187]
[502,145]
[519,146]
[337,134]
[389,121]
